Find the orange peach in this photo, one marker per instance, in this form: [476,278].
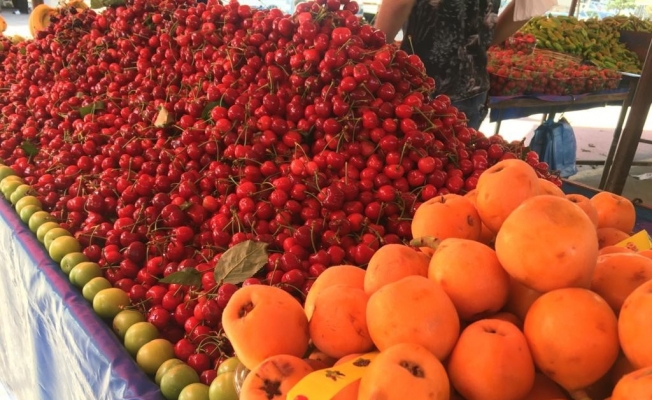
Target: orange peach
[497,354]
[263,321]
[405,371]
[585,204]
[450,215]
[471,275]
[392,262]
[413,310]
[502,188]
[340,274]
[338,325]
[614,211]
[273,378]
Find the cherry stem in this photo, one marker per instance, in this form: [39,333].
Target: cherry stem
[426,241]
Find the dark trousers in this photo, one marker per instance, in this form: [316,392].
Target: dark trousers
[475,109]
[22,6]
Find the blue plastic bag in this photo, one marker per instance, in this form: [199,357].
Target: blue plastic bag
[555,144]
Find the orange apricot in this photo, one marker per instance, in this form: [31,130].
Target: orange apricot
[614,249]
[520,298]
[547,187]
[486,235]
[405,371]
[572,334]
[414,309]
[392,262]
[614,211]
[470,274]
[645,253]
[508,317]
[617,275]
[585,204]
[545,388]
[338,325]
[263,321]
[340,274]
[502,188]
[273,378]
[635,326]
[450,215]
[548,243]
[610,236]
[491,361]
[635,385]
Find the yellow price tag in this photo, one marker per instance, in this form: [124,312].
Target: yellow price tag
[638,242]
[326,383]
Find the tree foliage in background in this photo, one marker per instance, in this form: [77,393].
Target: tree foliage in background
[620,5]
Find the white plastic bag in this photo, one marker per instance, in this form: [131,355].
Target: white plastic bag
[526,9]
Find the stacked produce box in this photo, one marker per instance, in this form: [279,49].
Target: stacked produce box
[531,71]
[563,55]
[219,180]
[596,41]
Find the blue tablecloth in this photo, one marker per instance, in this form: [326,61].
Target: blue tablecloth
[52,345]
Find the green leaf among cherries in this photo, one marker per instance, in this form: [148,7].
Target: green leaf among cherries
[188,276]
[241,261]
[95,4]
[206,113]
[29,148]
[91,108]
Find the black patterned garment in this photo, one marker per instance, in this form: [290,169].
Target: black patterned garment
[452,37]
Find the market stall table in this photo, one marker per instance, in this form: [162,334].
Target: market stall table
[52,344]
[511,107]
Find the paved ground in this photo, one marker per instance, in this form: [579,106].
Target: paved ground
[593,129]
[16,24]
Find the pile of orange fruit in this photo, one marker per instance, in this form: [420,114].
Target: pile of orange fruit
[514,291]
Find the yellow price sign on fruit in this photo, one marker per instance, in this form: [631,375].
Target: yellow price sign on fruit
[323,384]
[638,242]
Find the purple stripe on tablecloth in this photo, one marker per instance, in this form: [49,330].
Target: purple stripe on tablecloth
[127,380]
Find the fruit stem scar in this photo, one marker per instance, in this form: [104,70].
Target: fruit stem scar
[413,368]
[271,389]
[246,309]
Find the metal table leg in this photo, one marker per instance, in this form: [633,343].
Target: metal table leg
[633,130]
[619,128]
[499,121]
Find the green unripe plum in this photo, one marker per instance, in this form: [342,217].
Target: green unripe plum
[138,334]
[109,302]
[176,379]
[94,286]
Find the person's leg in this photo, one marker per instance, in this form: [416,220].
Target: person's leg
[474,108]
[22,6]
